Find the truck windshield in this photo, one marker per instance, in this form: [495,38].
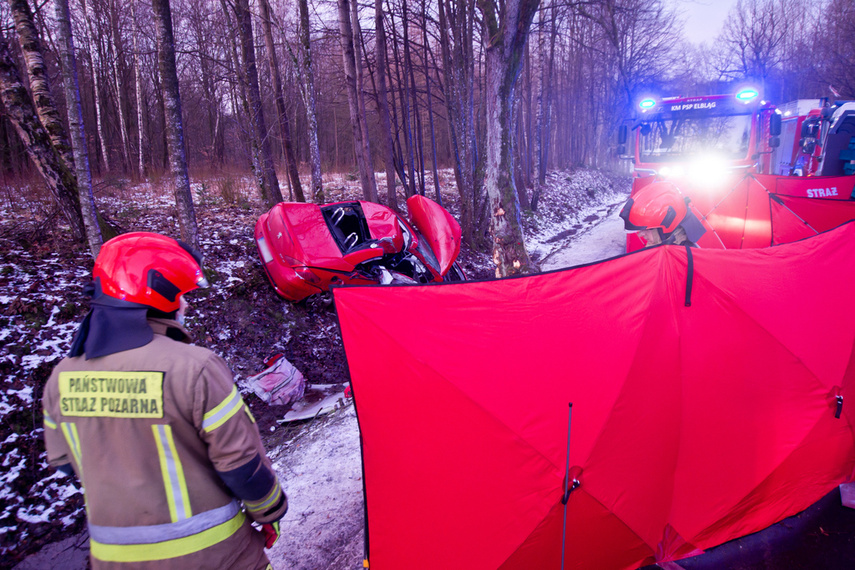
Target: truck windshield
[670,140]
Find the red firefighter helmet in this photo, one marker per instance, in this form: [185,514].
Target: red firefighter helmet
[148,269]
[657,205]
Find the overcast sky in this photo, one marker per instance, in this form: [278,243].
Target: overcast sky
[704,18]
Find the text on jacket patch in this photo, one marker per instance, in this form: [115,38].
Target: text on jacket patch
[111,394]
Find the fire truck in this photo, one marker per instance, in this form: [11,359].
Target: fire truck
[757,175]
[816,138]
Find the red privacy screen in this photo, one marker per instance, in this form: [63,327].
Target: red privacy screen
[704,386]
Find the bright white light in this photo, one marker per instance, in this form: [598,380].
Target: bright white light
[708,171]
[673,171]
[647,103]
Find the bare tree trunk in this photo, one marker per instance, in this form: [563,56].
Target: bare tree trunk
[383,107]
[456,25]
[139,90]
[527,169]
[505,35]
[159,93]
[95,59]
[404,95]
[37,72]
[536,142]
[78,132]
[430,105]
[239,95]
[118,68]
[20,110]
[309,98]
[544,112]
[359,143]
[267,181]
[360,99]
[410,76]
[519,159]
[174,124]
[284,124]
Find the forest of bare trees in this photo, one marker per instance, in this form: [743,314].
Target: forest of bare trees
[499,91]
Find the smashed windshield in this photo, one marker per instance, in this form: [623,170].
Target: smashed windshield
[666,140]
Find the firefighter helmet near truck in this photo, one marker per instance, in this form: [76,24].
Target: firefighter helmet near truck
[662,207]
[148,269]
[657,205]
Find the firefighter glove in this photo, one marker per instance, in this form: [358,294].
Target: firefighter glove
[271,533]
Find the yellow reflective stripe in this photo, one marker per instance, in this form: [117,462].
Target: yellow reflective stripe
[251,417]
[48,421]
[271,499]
[225,410]
[168,548]
[173,473]
[70,432]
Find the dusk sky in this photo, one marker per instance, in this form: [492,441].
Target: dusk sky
[704,18]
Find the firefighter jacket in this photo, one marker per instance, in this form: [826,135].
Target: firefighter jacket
[166,451]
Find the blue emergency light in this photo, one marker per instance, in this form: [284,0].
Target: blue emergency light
[647,104]
[747,95]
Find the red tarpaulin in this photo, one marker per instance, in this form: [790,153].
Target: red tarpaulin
[704,386]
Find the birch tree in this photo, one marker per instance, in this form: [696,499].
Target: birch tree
[139,99]
[78,132]
[96,58]
[115,51]
[174,122]
[37,73]
[506,27]
[21,111]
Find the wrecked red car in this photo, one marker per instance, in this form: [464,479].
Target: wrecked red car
[306,248]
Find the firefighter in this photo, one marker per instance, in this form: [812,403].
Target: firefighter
[169,455]
[660,214]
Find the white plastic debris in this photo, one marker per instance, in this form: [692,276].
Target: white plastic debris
[847,494]
[279,384]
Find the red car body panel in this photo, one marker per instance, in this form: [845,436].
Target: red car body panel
[306,248]
[383,223]
[434,221]
[315,246]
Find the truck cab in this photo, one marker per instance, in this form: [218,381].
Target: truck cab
[703,145]
[674,135]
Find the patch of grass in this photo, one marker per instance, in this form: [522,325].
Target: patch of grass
[229,191]
[203,194]
[131,211]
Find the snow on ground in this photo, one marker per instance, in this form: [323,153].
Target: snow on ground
[570,206]
[30,290]
[318,462]
[321,472]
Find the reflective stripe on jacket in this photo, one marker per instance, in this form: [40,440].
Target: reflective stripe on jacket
[148,431]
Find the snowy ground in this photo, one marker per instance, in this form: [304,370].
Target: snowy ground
[318,462]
